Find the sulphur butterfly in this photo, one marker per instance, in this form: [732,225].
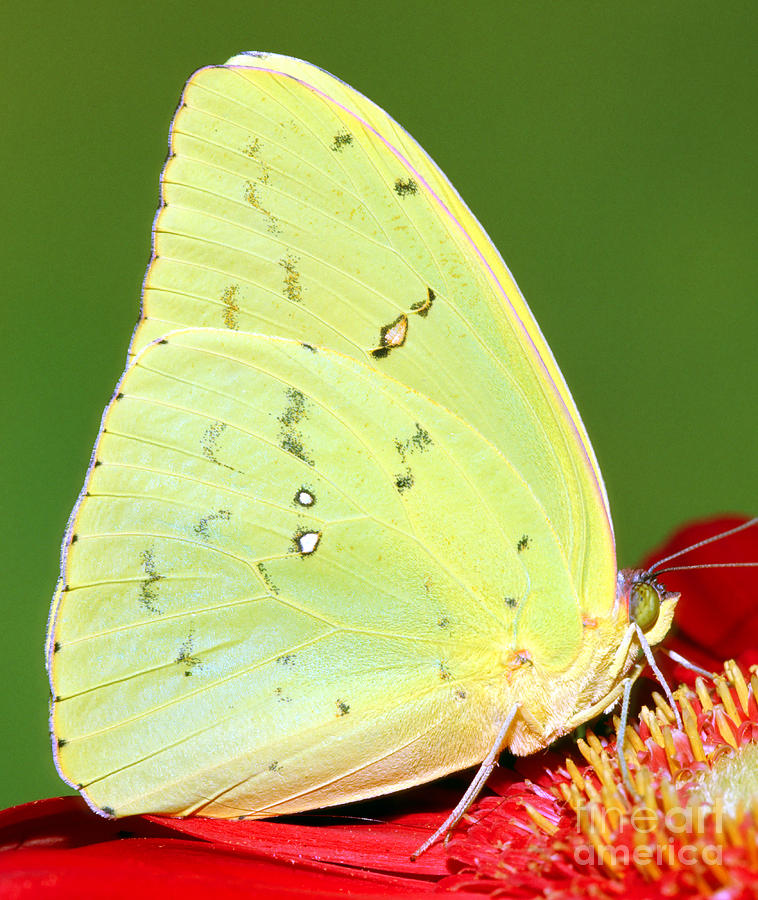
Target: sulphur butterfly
[343,530]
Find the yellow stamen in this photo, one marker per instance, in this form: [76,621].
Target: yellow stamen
[584,749]
[669,797]
[575,774]
[751,843]
[702,694]
[723,728]
[754,682]
[663,707]
[643,857]
[668,746]
[732,832]
[569,797]
[735,676]
[539,820]
[655,729]
[725,695]
[634,739]
[689,720]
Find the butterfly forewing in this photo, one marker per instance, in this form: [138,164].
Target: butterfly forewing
[295,207]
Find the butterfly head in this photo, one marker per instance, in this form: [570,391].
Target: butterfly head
[646,603]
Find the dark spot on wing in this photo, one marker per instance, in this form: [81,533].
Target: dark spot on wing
[444,672]
[252,195]
[523,543]
[279,693]
[404,187]
[229,299]
[308,347]
[287,659]
[185,657]
[341,139]
[267,578]
[98,462]
[391,336]
[274,766]
[74,538]
[290,436]
[295,410]
[109,811]
[201,528]
[293,290]
[148,593]
[422,307]
[253,150]
[56,646]
[294,445]
[210,440]
[418,442]
[62,742]
[511,601]
[119,395]
[404,481]
[443,622]
[342,708]
[460,694]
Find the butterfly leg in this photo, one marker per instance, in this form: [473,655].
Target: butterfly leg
[658,674]
[621,737]
[480,779]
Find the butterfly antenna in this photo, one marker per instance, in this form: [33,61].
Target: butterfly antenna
[738,565]
[710,540]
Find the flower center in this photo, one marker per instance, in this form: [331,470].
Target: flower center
[732,783]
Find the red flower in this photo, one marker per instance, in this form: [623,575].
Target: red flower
[550,828]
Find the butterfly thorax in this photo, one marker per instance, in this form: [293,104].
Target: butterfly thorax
[608,654]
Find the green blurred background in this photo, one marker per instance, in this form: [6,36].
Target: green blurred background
[608,148]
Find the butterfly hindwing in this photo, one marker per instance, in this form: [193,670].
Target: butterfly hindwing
[289,579]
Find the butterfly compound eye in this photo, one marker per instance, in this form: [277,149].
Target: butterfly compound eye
[644,605]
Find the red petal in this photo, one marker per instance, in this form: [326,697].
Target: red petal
[376,846]
[150,867]
[61,846]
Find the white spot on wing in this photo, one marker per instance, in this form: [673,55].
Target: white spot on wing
[304,498]
[308,541]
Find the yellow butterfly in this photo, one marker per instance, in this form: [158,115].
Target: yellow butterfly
[343,531]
